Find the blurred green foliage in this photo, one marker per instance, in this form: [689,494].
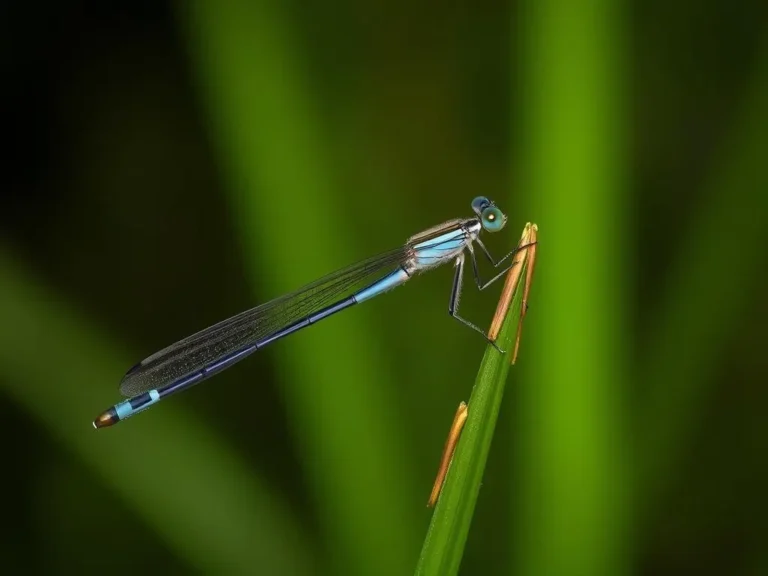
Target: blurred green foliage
[174,164]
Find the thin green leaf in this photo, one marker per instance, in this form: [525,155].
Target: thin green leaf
[444,544]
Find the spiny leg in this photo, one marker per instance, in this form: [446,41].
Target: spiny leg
[491,259]
[480,284]
[453,305]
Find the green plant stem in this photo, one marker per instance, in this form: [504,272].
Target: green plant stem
[444,544]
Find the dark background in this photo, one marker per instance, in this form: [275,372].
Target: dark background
[170,164]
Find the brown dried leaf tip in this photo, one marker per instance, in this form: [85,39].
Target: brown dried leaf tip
[526,254]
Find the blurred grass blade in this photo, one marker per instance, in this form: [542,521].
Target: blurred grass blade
[570,502]
[177,475]
[727,233]
[278,161]
[444,544]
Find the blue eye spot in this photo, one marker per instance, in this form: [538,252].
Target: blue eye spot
[492,219]
[479,204]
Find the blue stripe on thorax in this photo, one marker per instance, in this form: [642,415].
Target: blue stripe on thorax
[440,248]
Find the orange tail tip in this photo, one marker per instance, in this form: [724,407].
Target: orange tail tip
[106,418]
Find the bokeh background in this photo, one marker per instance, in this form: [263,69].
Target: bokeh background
[170,164]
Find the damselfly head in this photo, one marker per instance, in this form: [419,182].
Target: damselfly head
[491,218]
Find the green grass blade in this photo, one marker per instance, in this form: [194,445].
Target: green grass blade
[728,233]
[571,508]
[63,371]
[278,161]
[444,544]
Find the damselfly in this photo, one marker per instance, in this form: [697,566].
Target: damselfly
[200,356]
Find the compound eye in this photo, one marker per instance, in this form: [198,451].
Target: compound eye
[479,204]
[492,219]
